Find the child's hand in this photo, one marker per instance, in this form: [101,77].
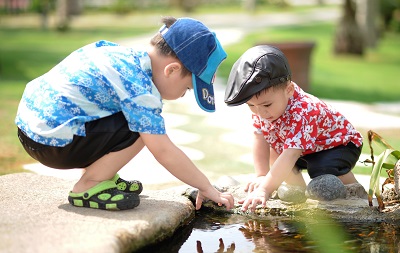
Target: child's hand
[252,185]
[254,199]
[222,198]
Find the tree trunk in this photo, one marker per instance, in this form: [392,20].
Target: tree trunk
[44,14]
[62,15]
[249,5]
[349,38]
[186,5]
[367,17]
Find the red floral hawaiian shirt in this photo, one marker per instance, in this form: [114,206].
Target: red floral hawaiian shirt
[308,124]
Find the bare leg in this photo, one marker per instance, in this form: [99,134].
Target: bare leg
[107,166]
[348,178]
[295,177]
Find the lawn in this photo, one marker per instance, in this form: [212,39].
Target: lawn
[30,52]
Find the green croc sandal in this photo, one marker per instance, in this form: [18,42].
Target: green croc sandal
[134,186]
[105,196]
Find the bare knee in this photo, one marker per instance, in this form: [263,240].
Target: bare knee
[295,177]
[348,178]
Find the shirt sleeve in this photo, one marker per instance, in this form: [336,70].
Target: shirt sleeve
[144,114]
[256,124]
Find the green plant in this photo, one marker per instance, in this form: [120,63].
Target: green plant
[388,159]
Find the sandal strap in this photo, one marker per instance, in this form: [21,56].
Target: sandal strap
[115,178]
[102,186]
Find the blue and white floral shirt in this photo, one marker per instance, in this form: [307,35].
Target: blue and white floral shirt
[95,81]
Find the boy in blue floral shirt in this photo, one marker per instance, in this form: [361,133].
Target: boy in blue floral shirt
[102,104]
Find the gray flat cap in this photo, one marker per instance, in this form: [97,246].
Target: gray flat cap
[258,68]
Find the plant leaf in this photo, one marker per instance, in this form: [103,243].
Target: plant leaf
[387,166]
[374,186]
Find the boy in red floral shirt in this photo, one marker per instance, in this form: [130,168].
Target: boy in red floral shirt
[293,129]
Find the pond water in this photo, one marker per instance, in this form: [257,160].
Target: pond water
[213,232]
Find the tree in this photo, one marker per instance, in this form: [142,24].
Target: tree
[349,37]
[62,15]
[64,10]
[367,17]
[43,7]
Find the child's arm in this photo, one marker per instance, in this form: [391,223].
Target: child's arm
[176,162]
[261,155]
[274,178]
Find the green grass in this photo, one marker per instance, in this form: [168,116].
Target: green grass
[365,79]
[12,155]
[30,52]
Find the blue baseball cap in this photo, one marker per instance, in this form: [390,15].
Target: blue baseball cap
[200,52]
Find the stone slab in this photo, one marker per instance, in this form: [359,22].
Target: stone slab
[36,217]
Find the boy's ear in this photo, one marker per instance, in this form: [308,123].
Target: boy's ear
[290,89]
[173,67]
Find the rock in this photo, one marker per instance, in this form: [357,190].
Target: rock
[389,194]
[326,188]
[292,193]
[190,193]
[355,190]
[226,182]
[223,184]
[352,206]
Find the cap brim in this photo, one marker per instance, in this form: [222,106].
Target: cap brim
[204,94]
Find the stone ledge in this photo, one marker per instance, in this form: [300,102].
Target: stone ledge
[352,208]
[36,217]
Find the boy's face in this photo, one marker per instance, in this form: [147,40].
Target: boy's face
[272,103]
[177,87]
[171,83]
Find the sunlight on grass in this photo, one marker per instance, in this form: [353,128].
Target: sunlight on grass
[12,154]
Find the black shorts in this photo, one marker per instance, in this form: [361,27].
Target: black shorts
[336,161]
[103,136]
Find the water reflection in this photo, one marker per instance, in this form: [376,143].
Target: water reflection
[272,236]
[221,247]
[305,233]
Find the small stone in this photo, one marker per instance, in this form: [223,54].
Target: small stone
[191,194]
[355,190]
[225,182]
[326,188]
[291,193]
[389,194]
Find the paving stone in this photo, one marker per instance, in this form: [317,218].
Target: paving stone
[36,217]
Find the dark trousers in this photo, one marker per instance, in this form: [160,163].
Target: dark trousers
[336,161]
[109,134]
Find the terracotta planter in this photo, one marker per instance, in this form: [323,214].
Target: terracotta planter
[299,57]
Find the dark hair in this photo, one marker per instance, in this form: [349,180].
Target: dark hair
[276,86]
[161,45]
